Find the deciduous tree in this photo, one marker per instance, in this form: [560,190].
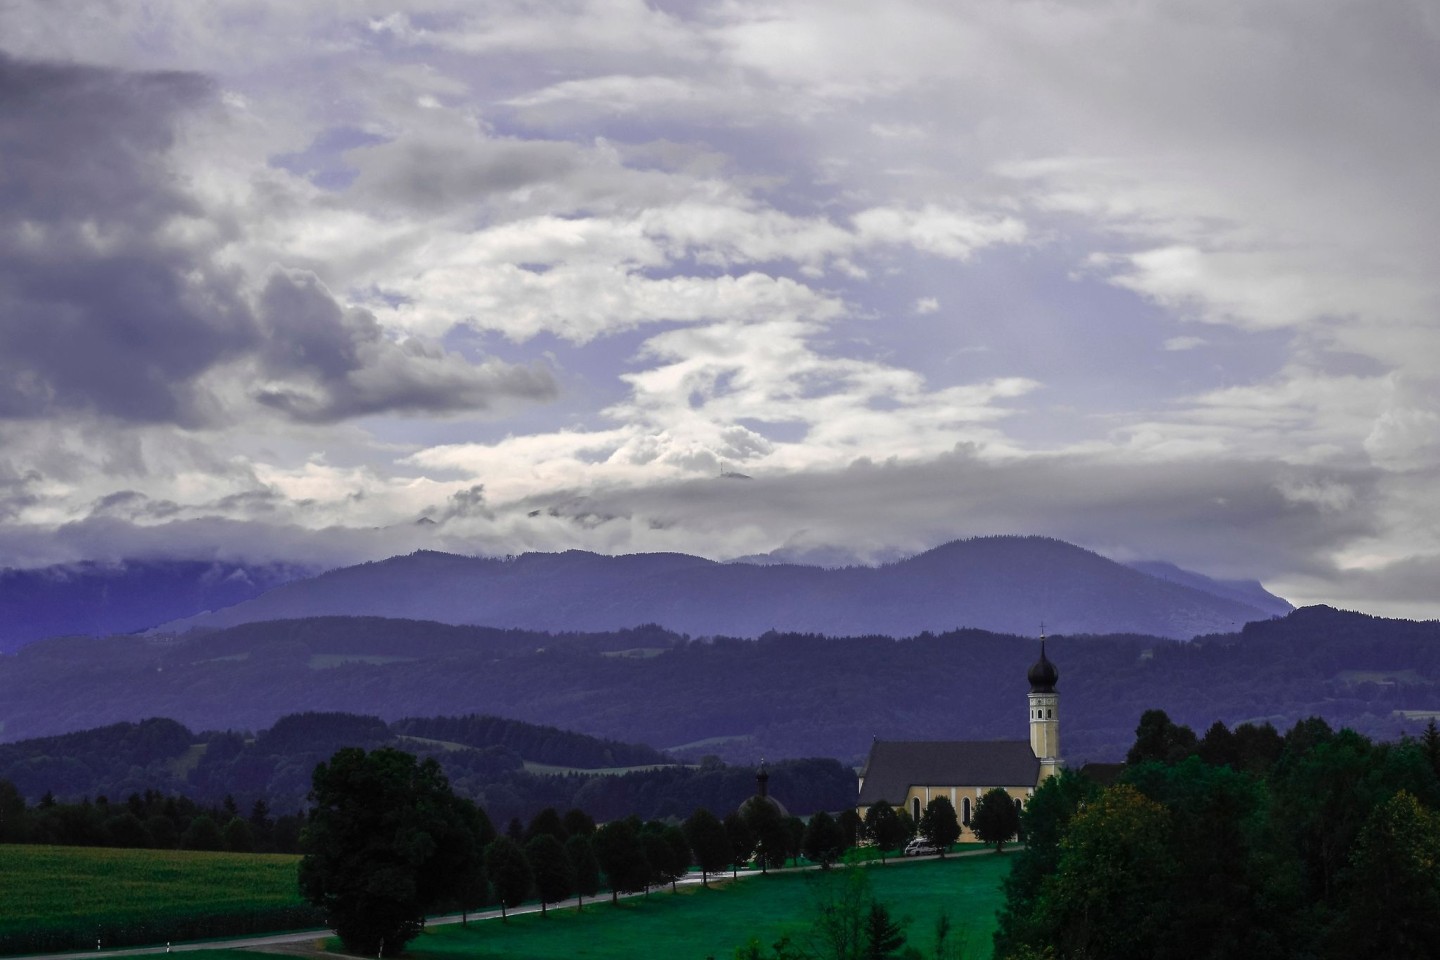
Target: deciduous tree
[939,825]
[385,841]
[551,868]
[708,842]
[995,819]
[509,871]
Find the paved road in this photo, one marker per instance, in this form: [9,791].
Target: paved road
[304,936]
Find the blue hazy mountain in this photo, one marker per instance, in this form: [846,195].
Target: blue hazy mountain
[1003,584]
[1244,591]
[98,599]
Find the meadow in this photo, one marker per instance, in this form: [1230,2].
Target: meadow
[699,923]
[60,898]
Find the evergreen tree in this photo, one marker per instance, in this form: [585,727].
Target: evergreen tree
[883,935]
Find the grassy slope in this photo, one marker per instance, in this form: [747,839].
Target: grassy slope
[55,887]
[701,923]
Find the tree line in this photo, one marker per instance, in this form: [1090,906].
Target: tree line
[488,765]
[1238,843]
[388,840]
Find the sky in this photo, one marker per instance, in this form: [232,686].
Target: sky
[832,281]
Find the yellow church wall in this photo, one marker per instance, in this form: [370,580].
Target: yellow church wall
[956,795]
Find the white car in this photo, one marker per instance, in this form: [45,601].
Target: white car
[920,847]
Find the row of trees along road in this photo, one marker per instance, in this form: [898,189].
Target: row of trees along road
[387,841]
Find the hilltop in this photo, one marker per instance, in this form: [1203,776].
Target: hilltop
[1001,584]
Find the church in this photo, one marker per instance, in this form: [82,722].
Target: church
[909,773]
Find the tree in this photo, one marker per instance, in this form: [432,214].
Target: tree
[13,824]
[742,841]
[850,827]
[509,871]
[1101,901]
[580,848]
[708,842]
[554,877]
[1391,892]
[995,819]
[848,923]
[938,823]
[202,834]
[385,841]
[883,935]
[238,838]
[824,841]
[883,827]
[1160,739]
[677,854]
[772,835]
[546,821]
[578,821]
[617,847]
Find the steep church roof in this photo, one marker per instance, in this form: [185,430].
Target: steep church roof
[895,766]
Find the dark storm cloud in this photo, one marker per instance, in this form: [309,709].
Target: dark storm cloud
[97,313]
[435,174]
[102,311]
[332,363]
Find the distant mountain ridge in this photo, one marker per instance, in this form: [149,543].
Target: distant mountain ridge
[96,599]
[1002,584]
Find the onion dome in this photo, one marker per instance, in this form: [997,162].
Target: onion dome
[1043,674]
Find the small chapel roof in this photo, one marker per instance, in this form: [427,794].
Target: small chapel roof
[895,766]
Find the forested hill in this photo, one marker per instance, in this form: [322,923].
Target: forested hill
[513,769]
[1004,584]
[784,695]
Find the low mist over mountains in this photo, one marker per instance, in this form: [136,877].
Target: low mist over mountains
[1003,584]
[98,599]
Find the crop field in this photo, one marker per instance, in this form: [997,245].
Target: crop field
[66,897]
[702,923]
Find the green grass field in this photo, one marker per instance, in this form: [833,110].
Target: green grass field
[699,923]
[52,892]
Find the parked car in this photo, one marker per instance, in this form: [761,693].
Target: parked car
[920,847]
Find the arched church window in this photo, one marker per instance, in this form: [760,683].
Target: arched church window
[965,806]
[915,809]
[1049,714]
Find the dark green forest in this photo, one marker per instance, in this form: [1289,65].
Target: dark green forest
[1238,843]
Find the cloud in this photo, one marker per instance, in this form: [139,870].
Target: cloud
[321,363]
[109,307]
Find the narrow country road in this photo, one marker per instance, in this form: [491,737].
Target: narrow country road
[307,936]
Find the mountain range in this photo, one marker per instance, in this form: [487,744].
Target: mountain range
[1002,584]
[782,695]
[98,599]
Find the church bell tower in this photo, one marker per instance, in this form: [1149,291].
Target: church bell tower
[1045,714]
